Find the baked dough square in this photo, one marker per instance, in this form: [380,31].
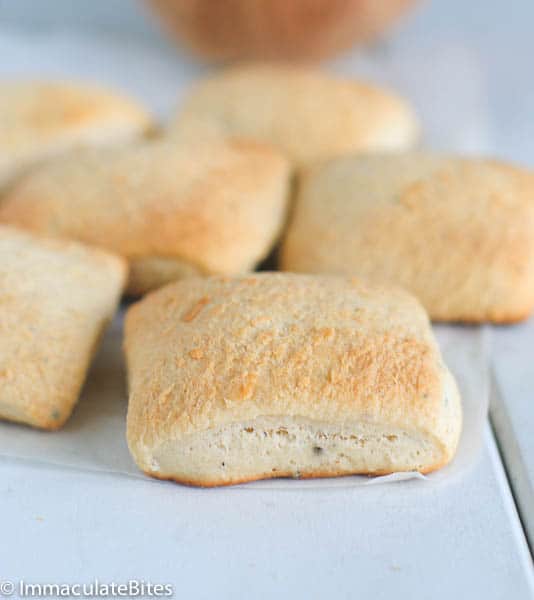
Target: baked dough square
[40,119]
[282,375]
[173,210]
[456,232]
[308,115]
[55,299]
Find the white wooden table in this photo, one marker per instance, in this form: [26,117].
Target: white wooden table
[468,68]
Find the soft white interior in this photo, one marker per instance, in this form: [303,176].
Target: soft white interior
[288,446]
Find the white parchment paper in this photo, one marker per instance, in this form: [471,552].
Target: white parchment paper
[94,438]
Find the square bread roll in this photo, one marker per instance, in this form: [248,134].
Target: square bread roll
[173,210]
[41,119]
[456,232]
[306,114]
[55,299]
[281,375]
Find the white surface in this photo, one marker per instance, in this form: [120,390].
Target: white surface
[337,543]
[513,411]
[466,67]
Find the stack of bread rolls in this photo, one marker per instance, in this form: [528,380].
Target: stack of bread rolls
[327,368]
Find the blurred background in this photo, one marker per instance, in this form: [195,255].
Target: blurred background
[467,66]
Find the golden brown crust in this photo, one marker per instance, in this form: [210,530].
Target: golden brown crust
[206,483]
[208,353]
[306,114]
[42,119]
[458,233]
[169,208]
[55,299]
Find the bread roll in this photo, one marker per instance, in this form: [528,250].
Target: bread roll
[42,119]
[281,375]
[172,210]
[55,299]
[304,113]
[456,232]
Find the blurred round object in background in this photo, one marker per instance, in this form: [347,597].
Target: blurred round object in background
[284,29]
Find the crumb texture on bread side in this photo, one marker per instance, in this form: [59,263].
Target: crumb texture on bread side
[269,447]
[56,298]
[456,232]
[208,357]
[308,115]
